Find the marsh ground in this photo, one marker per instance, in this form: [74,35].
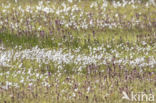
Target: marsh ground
[77,51]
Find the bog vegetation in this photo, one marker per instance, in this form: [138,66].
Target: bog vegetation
[76,51]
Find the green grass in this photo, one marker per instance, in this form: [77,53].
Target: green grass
[51,65]
[76,39]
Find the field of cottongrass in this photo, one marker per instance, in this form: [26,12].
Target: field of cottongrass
[77,51]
